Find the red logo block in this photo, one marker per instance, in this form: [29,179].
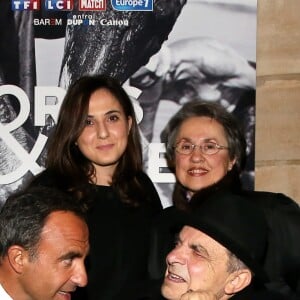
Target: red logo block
[25,5]
[92,5]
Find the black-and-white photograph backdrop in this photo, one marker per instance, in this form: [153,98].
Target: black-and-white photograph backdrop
[180,51]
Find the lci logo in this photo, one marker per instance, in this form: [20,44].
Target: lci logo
[25,5]
[59,4]
[132,5]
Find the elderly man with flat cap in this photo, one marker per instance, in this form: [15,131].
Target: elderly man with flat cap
[218,253]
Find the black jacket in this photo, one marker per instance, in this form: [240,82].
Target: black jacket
[282,260]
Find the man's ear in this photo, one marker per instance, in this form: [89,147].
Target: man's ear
[17,257]
[237,281]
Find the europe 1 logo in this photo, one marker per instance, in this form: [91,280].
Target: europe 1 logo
[132,5]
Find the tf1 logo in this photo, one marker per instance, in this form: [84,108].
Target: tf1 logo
[25,4]
[36,4]
[59,4]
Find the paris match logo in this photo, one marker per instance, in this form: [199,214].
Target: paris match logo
[92,5]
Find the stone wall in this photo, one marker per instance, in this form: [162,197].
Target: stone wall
[277,161]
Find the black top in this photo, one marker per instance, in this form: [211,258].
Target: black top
[282,258]
[119,240]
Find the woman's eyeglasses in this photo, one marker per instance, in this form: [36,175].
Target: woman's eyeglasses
[208,148]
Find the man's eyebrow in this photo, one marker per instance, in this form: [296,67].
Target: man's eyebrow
[199,248]
[71,254]
[194,246]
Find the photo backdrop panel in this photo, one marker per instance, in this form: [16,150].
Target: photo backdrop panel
[164,55]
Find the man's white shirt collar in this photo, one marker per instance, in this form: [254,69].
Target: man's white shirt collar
[3,294]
